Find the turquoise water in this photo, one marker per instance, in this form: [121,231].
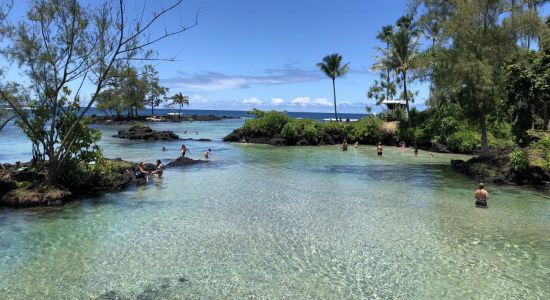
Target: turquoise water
[291,222]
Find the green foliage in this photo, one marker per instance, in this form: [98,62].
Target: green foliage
[268,124]
[366,130]
[519,159]
[540,151]
[310,132]
[289,131]
[464,141]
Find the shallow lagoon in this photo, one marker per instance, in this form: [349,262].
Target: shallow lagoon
[266,222]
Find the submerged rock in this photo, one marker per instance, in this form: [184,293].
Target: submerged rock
[146,133]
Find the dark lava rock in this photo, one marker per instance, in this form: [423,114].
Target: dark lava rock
[111,295]
[437,147]
[35,195]
[183,279]
[196,140]
[146,133]
[234,136]
[278,141]
[185,161]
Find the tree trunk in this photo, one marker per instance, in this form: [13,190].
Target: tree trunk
[334,94]
[152,109]
[484,141]
[533,116]
[406,96]
[545,124]
[53,171]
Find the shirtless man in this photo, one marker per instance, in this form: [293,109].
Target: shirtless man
[481,196]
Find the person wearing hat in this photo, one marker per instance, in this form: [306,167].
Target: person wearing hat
[481,195]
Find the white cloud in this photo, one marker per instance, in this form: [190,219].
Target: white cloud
[277,101]
[198,98]
[253,101]
[307,101]
[322,102]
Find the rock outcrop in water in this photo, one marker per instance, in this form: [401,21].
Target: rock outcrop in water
[497,169]
[146,133]
[185,161]
[26,186]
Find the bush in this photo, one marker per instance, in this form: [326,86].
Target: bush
[519,159]
[541,151]
[267,123]
[366,130]
[465,141]
[310,132]
[289,131]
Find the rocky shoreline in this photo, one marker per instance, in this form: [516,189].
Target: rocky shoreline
[497,169]
[26,186]
[118,120]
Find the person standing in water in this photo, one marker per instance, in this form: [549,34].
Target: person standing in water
[344,146]
[355,145]
[379,148]
[207,153]
[159,170]
[481,195]
[184,150]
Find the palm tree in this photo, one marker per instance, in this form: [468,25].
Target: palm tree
[180,99]
[384,36]
[331,67]
[402,53]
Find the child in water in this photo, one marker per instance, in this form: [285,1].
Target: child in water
[207,153]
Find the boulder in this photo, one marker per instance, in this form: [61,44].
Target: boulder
[278,141]
[146,133]
[437,147]
[185,161]
[234,136]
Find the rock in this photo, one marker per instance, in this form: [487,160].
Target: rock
[234,136]
[146,133]
[185,161]
[437,147]
[196,140]
[41,195]
[278,141]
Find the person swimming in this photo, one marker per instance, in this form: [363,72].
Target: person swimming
[481,195]
[355,145]
[159,170]
[379,148]
[163,149]
[207,153]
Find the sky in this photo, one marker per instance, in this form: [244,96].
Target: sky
[263,54]
[246,54]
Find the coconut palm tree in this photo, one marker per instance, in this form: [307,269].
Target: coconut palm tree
[384,36]
[331,66]
[402,53]
[180,99]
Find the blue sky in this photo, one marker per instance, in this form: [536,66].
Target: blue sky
[263,53]
[248,53]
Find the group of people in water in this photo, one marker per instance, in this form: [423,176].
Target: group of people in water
[379,147]
[142,172]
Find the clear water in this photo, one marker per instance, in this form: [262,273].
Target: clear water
[266,222]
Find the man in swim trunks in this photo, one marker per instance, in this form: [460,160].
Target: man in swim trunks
[481,196]
[142,173]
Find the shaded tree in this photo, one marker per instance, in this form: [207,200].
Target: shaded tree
[61,44]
